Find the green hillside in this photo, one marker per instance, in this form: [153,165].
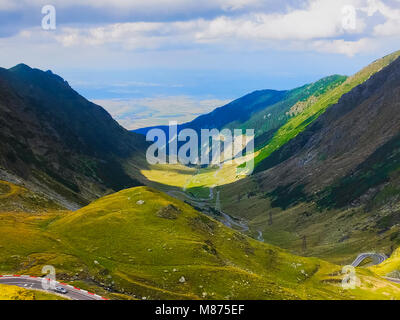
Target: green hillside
[258,113]
[333,191]
[141,243]
[298,123]
[390,267]
[275,125]
[268,120]
[16,293]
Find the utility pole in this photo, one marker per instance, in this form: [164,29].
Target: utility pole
[304,243]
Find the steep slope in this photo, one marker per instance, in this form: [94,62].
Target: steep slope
[390,267]
[253,111]
[17,198]
[145,244]
[333,190]
[318,106]
[276,125]
[264,110]
[268,120]
[58,142]
[358,132]
[238,110]
[282,129]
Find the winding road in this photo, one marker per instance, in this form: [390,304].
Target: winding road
[202,202]
[34,283]
[377,258]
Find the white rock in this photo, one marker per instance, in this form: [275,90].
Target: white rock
[182,280]
[140,202]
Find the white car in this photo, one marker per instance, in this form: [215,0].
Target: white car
[61,290]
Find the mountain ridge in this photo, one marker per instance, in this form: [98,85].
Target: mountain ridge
[271,106]
[44,122]
[337,182]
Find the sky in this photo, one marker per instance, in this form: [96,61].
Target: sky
[153,61]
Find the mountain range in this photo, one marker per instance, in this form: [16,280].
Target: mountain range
[58,142]
[343,167]
[76,192]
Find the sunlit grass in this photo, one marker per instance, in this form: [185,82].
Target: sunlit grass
[141,242]
[16,293]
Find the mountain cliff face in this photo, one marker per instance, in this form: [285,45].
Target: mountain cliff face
[57,141]
[348,143]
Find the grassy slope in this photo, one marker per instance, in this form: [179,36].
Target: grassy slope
[382,167]
[332,233]
[339,238]
[315,99]
[390,267]
[298,123]
[268,120]
[16,293]
[164,245]
[265,122]
[143,250]
[17,198]
[335,234]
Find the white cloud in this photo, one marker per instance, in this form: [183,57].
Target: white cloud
[139,35]
[349,48]
[391,27]
[317,25]
[320,19]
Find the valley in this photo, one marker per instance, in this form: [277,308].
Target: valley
[142,244]
[285,215]
[77,193]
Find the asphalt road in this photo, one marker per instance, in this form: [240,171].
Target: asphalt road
[28,282]
[377,258]
[393,279]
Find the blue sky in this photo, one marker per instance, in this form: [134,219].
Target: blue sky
[148,62]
